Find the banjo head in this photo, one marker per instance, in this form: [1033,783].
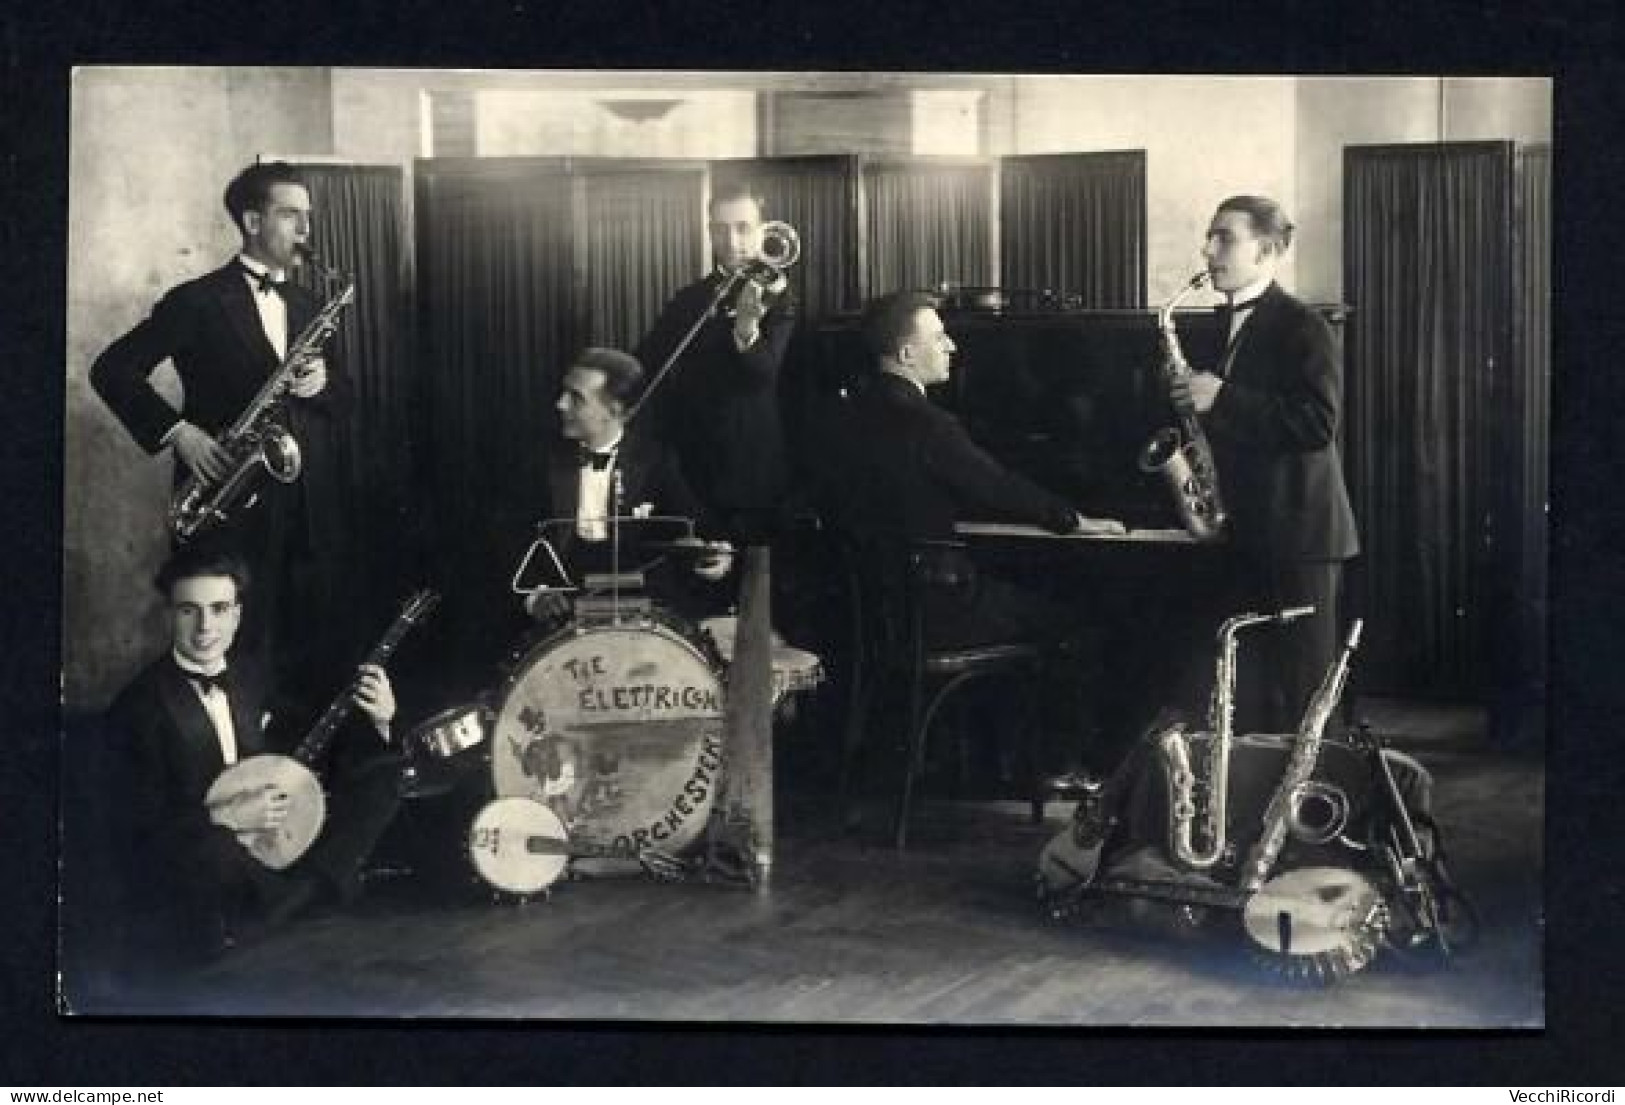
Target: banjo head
[518,846]
[307,805]
[1316,924]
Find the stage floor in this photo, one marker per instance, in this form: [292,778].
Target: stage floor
[849,930]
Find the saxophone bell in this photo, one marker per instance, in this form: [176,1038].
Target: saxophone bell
[1319,813]
[279,453]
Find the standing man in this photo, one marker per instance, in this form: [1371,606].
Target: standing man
[226,332]
[1271,409]
[186,718]
[719,405]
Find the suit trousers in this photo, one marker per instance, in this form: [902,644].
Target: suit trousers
[1292,659]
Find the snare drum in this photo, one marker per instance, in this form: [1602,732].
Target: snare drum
[794,669]
[450,731]
[618,729]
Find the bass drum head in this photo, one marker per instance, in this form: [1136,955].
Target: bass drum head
[617,730]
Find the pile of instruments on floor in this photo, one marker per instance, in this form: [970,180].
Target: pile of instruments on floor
[1305,842]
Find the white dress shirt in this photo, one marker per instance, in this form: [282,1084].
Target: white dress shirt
[594,501]
[1252,291]
[217,705]
[272,307]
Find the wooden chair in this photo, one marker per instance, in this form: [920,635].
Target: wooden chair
[889,581]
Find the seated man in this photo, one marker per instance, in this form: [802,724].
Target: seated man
[906,468]
[903,469]
[185,719]
[616,471]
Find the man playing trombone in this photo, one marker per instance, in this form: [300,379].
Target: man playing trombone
[718,404]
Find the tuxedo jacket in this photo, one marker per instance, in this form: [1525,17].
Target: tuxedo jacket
[172,756]
[649,475]
[209,328]
[904,466]
[1274,434]
[719,407]
[649,472]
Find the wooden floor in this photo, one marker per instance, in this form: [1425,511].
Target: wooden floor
[849,930]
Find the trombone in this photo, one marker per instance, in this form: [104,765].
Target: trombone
[781,248]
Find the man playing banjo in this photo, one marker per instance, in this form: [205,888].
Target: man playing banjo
[185,719]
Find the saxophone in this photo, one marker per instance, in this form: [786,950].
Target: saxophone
[1181,452]
[256,441]
[1174,744]
[1282,814]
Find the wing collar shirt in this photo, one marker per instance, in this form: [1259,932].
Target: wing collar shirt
[272,307]
[593,498]
[217,704]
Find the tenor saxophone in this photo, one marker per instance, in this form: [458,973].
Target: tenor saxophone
[256,442]
[1175,746]
[1282,813]
[1181,452]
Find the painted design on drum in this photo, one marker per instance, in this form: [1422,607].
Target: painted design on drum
[618,730]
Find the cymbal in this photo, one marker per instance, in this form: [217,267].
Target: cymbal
[687,545]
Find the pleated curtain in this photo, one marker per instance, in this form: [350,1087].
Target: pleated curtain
[1074,225]
[1427,254]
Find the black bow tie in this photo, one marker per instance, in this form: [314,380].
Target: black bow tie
[598,461]
[264,281]
[1230,309]
[219,680]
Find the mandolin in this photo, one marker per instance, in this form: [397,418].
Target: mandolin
[307,806]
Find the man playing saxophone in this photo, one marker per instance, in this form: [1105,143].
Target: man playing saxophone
[225,333]
[1271,409]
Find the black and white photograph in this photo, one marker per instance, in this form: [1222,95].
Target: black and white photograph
[810,548]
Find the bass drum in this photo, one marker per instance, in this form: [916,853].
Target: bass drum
[618,730]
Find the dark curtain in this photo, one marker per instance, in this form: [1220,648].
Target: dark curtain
[817,196]
[1074,224]
[1427,233]
[358,226]
[926,223]
[495,308]
[643,235]
[1520,523]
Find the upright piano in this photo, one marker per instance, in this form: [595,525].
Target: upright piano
[1069,397]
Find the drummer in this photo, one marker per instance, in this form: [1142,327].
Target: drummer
[615,470]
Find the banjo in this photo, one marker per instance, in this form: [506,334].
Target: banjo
[307,806]
[520,846]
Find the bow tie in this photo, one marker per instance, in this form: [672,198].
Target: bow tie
[1230,309]
[220,680]
[598,461]
[264,281]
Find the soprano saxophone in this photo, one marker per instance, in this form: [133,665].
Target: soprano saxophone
[1181,452]
[1282,813]
[257,442]
[1174,744]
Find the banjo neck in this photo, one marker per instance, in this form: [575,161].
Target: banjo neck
[320,735]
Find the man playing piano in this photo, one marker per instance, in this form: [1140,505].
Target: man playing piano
[904,468]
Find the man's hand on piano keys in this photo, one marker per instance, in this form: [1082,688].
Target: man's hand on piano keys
[1092,526]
